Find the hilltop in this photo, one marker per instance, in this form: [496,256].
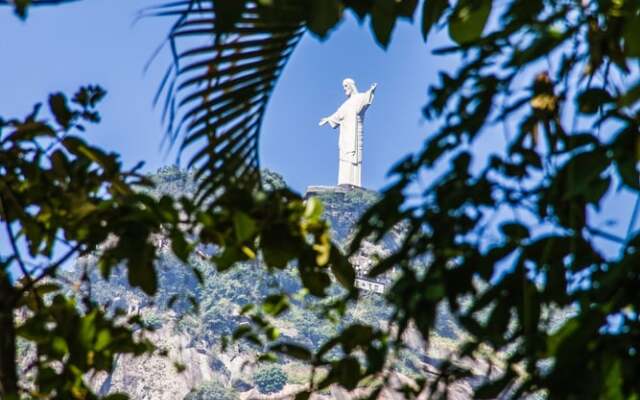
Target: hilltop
[196,368]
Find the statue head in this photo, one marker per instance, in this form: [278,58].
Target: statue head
[349,86]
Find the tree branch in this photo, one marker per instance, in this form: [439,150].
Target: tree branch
[16,252]
[51,269]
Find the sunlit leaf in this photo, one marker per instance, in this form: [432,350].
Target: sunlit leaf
[468,20]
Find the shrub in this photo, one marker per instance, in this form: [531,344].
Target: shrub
[214,390]
[270,379]
[152,321]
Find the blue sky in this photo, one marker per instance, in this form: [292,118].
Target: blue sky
[96,41]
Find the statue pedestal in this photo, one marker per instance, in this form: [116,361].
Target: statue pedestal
[318,190]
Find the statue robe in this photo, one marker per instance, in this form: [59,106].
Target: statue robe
[350,118]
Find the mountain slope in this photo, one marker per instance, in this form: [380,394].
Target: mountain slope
[191,338]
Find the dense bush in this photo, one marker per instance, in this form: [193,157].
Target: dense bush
[214,390]
[151,320]
[270,379]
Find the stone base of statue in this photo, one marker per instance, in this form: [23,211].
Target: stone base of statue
[319,190]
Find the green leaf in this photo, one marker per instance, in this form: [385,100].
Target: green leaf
[631,36]
[87,329]
[613,377]
[383,20]
[180,247]
[630,98]
[515,231]
[356,335]
[272,333]
[303,395]
[313,209]
[241,331]
[292,350]
[244,225]
[103,339]
[435,291]
[432,10]
[142,274]
[180,367]
[275,304]
[31,130]
[599,188]
[406,8]
[468,20]
[59,346]
[46,288]
[591,100]
[580,173]
[89,96]
[117,396]
[316,281]
[20,8]
[278,246]
[493,388]
[228,12]
[342,268]
[80,148]
[626,153]
[60,110]
[323,15]
[498,322]
[346,372]
[555,341]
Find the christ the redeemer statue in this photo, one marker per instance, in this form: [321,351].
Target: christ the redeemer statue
[350,118]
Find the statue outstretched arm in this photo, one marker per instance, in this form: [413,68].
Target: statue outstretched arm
[367,97]
[333,120]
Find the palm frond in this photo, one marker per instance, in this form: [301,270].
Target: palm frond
[217,88]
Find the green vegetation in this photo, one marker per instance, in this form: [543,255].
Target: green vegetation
[270,379]
[152,320]
[503,240]
[222,295]
[212,391]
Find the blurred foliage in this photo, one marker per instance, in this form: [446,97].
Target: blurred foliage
[61,197]
[503,240]
[222,295]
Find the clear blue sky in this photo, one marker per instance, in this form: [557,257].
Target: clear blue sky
[95,41]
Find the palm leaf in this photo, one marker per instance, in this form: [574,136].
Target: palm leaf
[217,88]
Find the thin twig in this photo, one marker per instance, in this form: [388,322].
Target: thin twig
[606,235]
[12,241]
[634,216]
[16,252]
[48,271]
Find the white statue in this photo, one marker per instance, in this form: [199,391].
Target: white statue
[350,117]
